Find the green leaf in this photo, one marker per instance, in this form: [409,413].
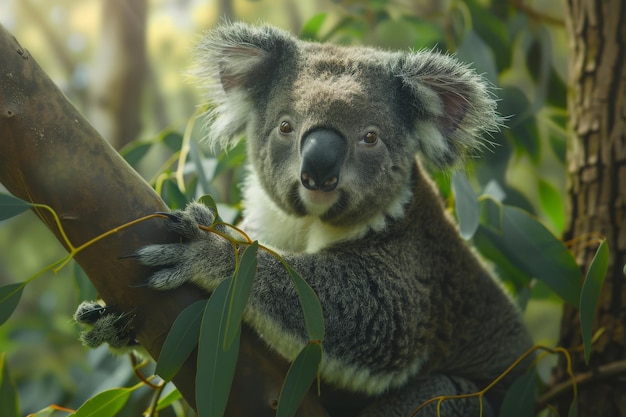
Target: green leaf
[86,290]
[105,404]
[239,292]
[9,401]
[9,298]
[311,307]
[11,206]
[523,132]
[135,151]
[202,167]
[526,137]
[232,158]
[490,245]
[169,399]
[590,293]
[540,254]
[181,340]
[552,204]
[216,366]
[301,374]
[208,201]
[523,248]
[475,50]
[465,205]
[311,29]
[428,33]
[493,30]
[173,140]
[45,412]
[494,191]
[173,196]
[519,400]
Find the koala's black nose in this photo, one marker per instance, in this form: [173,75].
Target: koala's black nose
[323,152]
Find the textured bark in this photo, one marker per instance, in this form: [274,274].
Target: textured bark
[50,154]
[597,190]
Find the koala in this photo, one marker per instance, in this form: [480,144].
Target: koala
[336,140]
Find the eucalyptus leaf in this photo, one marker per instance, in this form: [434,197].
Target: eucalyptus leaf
[312,27]
[169,399]
[181,340]
[135,151]
[173,196]
[493,30]
[202,167]
[465,205]
[9,404]
[475,50]
[209,202]
[216,366]
[590,293]
[45,412]
[239,292]
[490,245]
[552,204]
[105,404]
[232,158]
[519,400]
[172,139]
[86,290]
[311,307]
[536,251]
[11,206]
[9,298]
[494,190]
[301,375]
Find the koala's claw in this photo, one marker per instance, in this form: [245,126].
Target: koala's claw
[129,256]
[183,262]
[187,222]
[88,312]
[107,326]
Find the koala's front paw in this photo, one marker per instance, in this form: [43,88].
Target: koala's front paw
[107,326]
[203,257]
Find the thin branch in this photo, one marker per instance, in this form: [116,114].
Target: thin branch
[600,373]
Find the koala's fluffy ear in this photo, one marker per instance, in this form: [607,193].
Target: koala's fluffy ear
[452,105]
[237,63]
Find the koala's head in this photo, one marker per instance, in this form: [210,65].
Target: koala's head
[332,130]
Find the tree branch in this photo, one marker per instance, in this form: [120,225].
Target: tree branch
[602,372]
[50,154]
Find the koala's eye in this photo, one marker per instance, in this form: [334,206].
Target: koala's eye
[285,127]
[370,138]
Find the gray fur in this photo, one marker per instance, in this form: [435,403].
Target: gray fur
[410,311]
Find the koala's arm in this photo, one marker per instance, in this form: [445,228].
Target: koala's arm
[366,300]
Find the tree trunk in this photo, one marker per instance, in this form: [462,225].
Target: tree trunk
[597,190]
[117,79]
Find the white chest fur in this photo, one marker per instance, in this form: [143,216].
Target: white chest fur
[266,222]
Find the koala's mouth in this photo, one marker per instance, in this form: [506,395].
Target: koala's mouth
[317,202]
[323,204]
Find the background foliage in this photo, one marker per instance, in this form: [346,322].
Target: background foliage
[510,204]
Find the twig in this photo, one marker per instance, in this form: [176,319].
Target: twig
[597,374]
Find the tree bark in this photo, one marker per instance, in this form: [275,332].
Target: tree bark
[597,192]
[50,154]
